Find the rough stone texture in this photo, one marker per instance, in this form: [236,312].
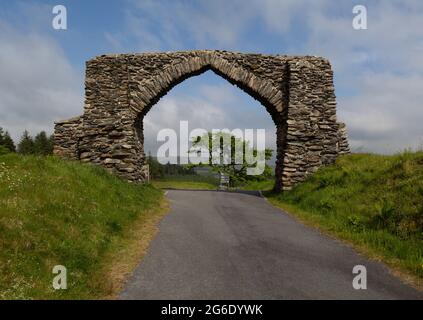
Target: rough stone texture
[298,93]
[66,137]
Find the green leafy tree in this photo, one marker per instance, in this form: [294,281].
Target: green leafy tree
[26,144]
[158,170]
[232,154]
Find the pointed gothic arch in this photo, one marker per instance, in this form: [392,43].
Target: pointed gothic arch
[120,89]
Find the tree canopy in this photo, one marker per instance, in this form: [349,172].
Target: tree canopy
[40,145]
[231,156]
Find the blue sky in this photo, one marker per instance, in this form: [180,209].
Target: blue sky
[378,71]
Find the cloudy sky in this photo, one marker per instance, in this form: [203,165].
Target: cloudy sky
[378,71]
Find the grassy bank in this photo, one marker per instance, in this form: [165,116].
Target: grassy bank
[374,202]
[187,182]
[55,212]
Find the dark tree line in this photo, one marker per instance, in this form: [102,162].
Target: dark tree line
[6,142]
[158,170]
[41,144]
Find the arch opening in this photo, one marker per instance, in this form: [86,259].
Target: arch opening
[277,117]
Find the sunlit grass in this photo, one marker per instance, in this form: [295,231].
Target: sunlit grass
[374,201]
[263,185]
[60,212]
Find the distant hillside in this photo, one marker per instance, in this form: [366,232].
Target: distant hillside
[56,212]
[373,201]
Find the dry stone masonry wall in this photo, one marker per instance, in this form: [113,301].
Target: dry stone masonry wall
[298,93]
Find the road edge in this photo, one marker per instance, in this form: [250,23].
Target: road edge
[403,275]
[130,251]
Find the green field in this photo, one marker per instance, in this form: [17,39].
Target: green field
[196,182]
[56,212]
[374,202]
[187,182]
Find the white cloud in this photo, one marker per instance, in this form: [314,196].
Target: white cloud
[169,25]
[216,106]
[383,66]
[379,71]
[393,40]
[37,84]
[386,116]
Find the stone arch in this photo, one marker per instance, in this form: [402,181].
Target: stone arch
[146,96]
[120,89]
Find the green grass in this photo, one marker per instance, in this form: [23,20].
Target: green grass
[263,185]
[374,202]
[56,212]
[206,182]
[187,182]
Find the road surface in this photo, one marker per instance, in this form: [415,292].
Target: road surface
[222,245]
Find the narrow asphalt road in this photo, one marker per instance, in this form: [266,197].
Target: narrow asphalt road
[220,245]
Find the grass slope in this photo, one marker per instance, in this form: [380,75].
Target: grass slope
[55,212]
[373,201]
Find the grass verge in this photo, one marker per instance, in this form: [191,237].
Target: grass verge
[126,253]
[55,212]
[373,202]
[263,185]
